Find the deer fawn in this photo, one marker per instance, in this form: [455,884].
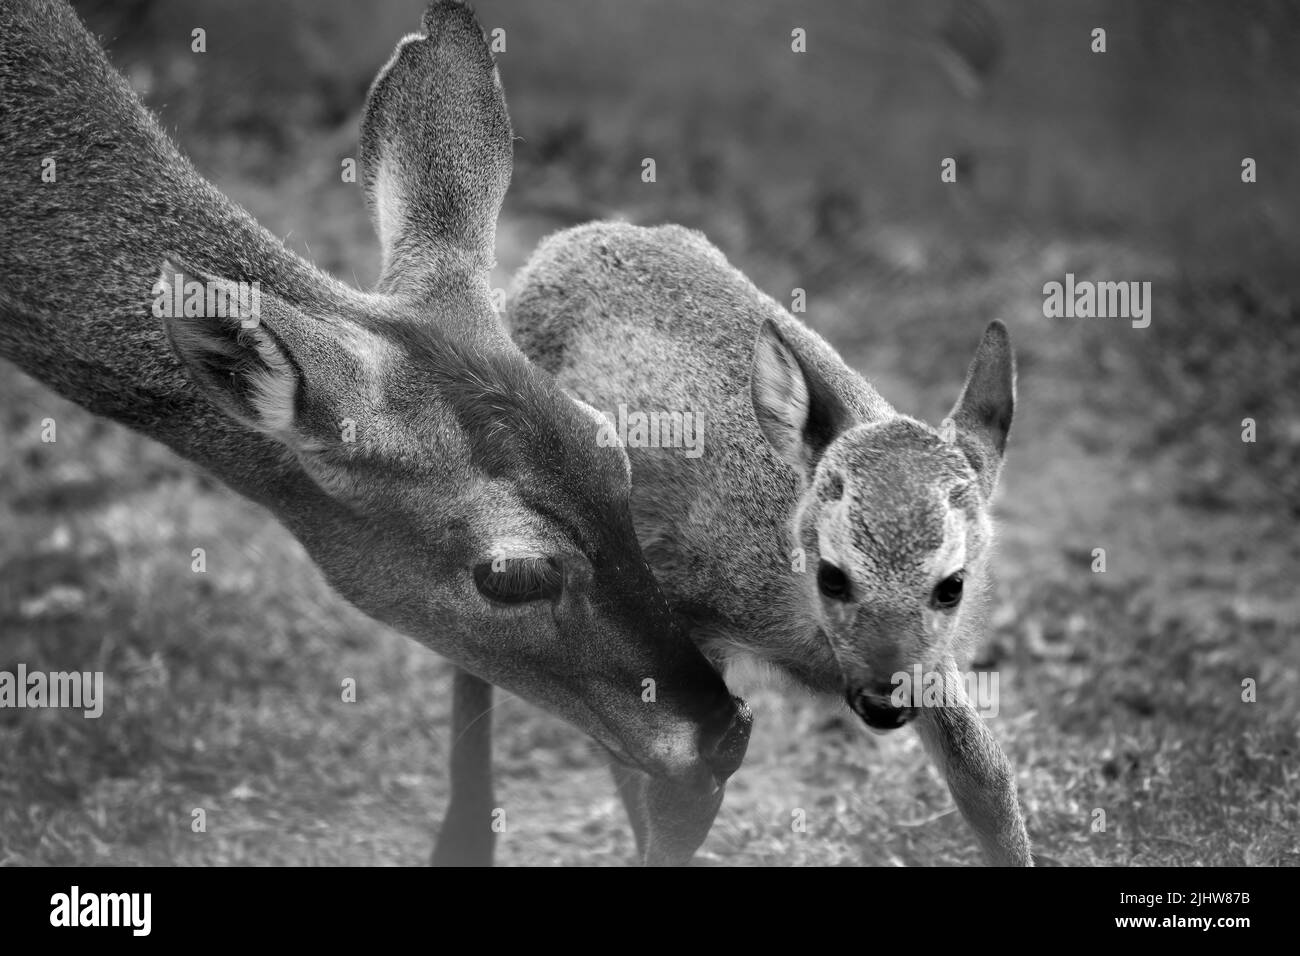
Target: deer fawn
[804,464]
[475,511]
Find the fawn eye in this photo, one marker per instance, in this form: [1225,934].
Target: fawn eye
[832,582]
[519,580]
[947,593]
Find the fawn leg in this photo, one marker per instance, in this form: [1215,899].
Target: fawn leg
[979,775]
[466,837]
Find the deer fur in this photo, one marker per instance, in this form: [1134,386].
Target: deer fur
[463,452]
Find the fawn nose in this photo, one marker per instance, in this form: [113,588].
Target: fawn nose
[876,707]
[725,737]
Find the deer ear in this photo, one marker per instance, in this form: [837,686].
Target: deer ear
[222,331]
[797,410]
[982,415]
[436,148]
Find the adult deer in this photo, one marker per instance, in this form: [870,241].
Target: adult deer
[821,534]
[474,511]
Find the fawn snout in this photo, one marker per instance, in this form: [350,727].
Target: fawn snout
[875,703]
[877,653]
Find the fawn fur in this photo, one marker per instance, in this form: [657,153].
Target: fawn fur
[807,472]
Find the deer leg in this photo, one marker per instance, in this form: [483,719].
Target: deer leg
[631,788]
[979,775]
[669,823]
[466,837]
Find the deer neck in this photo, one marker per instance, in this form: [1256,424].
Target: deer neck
[97,199]
[87,329]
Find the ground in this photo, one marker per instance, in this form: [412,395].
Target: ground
[1121,691]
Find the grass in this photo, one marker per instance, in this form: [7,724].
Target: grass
[1121,691]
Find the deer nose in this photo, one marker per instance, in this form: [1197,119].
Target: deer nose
[725,737]
[876,707]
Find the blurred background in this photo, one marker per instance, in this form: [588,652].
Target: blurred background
[820,170]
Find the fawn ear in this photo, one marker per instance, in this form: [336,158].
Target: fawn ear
[436,149]
[245,349]
[796,408]
[982,415]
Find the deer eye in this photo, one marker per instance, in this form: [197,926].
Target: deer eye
[519,580]
[947,593]
[832,582]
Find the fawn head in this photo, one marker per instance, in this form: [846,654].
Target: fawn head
[893,515]
[455,491]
